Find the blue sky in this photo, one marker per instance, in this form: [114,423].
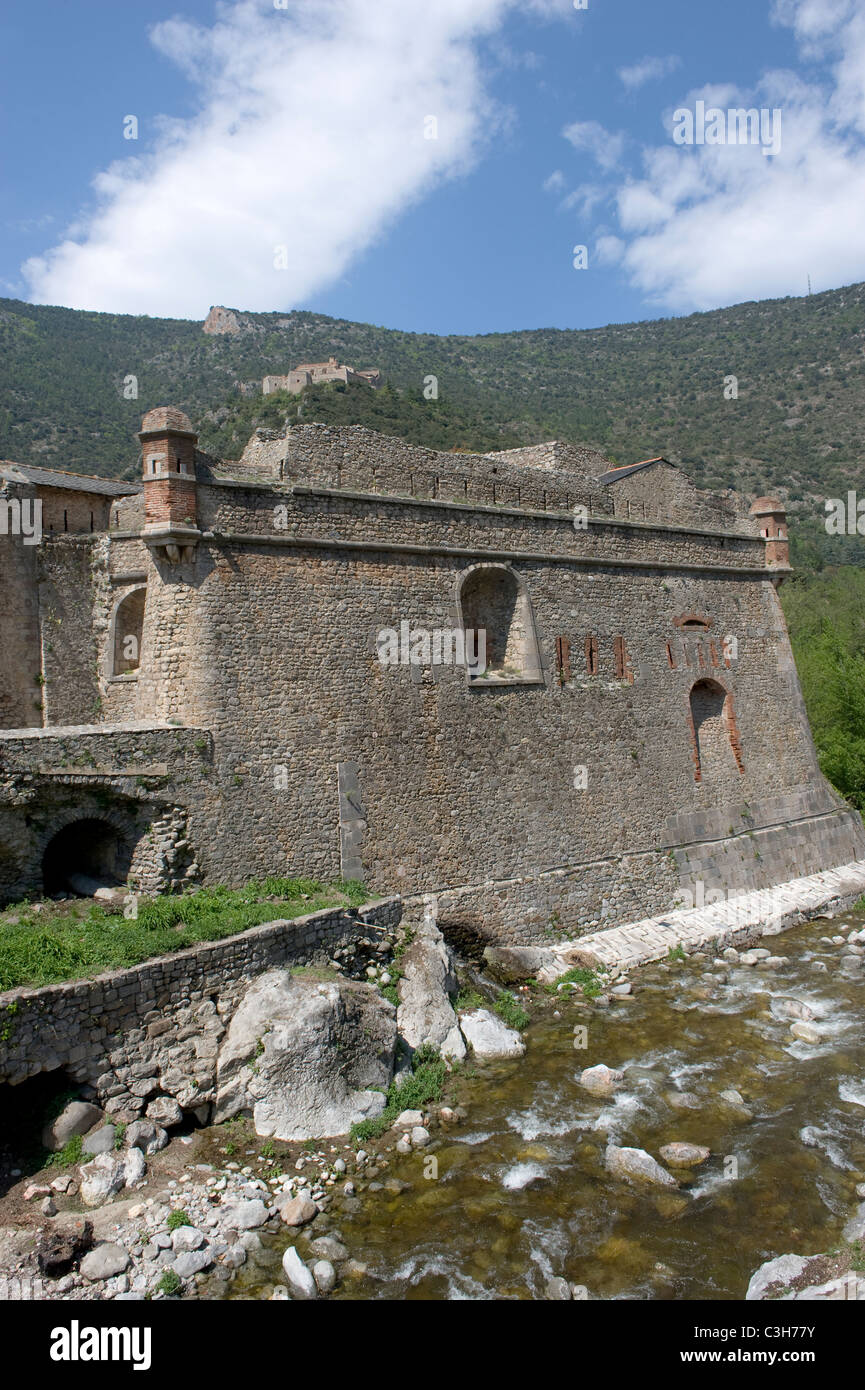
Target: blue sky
[281,158]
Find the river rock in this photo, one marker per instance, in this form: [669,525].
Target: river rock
[300,1280]
[783,1006]
[419,1137]
[186,1238]
[99,1141]
[600,1080]
[146,1136]
[101,1178]
[635,1165]
[805,1032]
[244,1216]
[425,1013]
[104,1261]
[489,1036]
[683,1100]
[191,1262]
[304,1056]
[78,1117]
[296,1211]
[680,1155]
[558,1290]
[510,964]
[405,1120]
[324,1275]
[134,1167]
[328,1248]
[779,1272]
[164,1112]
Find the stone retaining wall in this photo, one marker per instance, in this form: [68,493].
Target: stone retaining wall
[133,1035]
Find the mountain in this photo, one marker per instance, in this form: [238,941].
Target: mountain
[634,390]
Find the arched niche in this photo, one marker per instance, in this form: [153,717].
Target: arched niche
[494,604]
[127,627]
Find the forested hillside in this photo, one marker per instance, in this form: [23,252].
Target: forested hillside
[634,390]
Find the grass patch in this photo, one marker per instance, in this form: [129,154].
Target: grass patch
[423,1086]
[676,953]
[469,999]
[68,1155]
[177,1218]
[169,1283]
[511,1011]
[65,941]
[578,975]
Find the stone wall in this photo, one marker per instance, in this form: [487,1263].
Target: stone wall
[133,1035]
[139,780]
[20,654]
[565,795]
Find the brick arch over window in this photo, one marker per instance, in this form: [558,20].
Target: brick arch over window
[716,747]
[493,600]
[127,626]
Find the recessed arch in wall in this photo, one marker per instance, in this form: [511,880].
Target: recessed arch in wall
[716,747]
[493,600]
[125,633]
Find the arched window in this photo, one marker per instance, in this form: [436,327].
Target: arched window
[495,607]
[716,748]
[127,631]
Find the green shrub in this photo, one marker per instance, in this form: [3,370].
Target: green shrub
[425,1084]
[176,1219]
[511,1011]
[169,1283]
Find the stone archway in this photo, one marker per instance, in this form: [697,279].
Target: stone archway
[86,852]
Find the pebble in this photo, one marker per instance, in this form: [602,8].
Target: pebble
[683,1100]
[805,1032]
[600,1080]
[324,1275]
[679,1155]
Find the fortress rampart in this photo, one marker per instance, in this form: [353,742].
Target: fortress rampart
[638,724]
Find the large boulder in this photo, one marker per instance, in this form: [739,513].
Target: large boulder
[78,1117]
[509,964]
[425,1013]
[101,1178]
[488,1036]
[776,1275]
[304,1056]
[105,1261]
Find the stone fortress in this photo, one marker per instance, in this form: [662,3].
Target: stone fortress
[318,373]
[192,690]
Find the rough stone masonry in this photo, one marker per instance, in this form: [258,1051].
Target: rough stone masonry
[195,692]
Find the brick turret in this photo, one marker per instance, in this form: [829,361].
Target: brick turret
[168,444]
[772,518]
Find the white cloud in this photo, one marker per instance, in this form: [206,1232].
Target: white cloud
[310,135]
[713,224]
[648,70]
[585,198]
[604,147]
[555,183]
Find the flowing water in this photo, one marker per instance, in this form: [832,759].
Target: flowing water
[522,1193]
